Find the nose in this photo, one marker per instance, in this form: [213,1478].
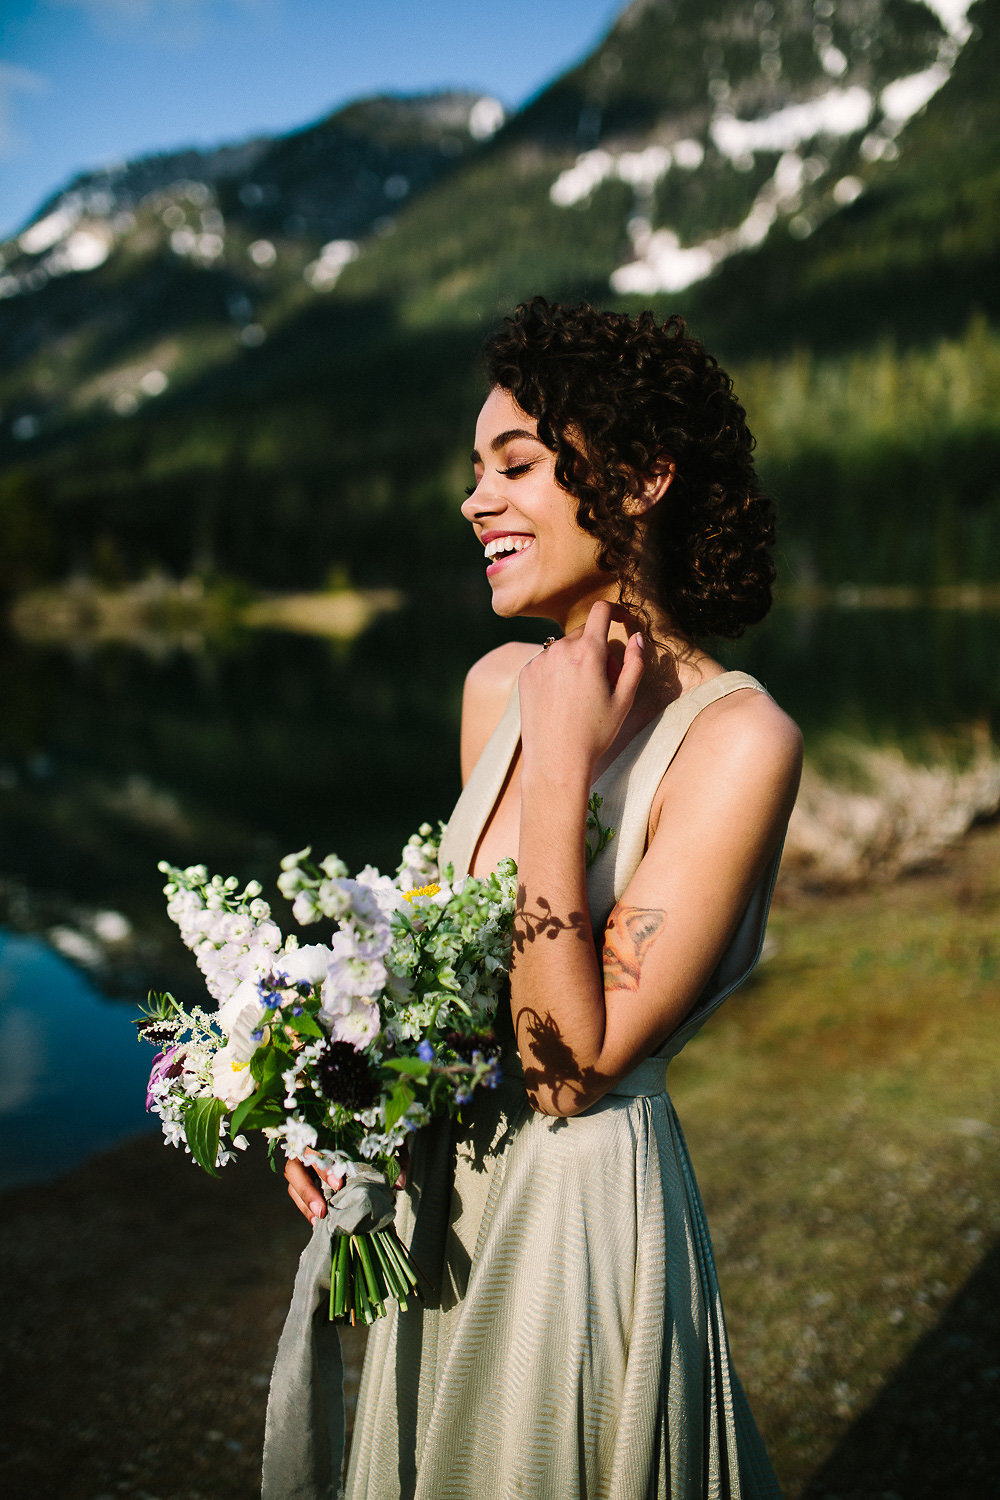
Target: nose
[482,502]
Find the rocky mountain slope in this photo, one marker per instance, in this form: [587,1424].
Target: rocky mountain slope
[276,338]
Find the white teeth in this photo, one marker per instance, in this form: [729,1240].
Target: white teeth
[503,544]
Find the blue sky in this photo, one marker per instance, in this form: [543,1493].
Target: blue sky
[89,81]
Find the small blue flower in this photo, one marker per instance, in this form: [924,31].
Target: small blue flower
[258,1035]
[297,1010]
[462,1096]
[425,1052]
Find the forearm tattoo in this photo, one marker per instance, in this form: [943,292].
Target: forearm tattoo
[630,933]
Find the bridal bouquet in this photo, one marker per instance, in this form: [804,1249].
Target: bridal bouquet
[334,1050]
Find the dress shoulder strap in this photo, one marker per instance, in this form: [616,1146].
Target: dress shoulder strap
[629,786]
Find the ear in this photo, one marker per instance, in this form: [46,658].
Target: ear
[650,490]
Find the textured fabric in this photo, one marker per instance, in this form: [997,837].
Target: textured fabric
[574,1347]
[304,1433]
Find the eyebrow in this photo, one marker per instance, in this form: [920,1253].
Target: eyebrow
[505,437]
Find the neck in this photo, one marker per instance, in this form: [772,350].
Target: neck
[673,662]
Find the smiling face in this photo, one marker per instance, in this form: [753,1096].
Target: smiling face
[539,560]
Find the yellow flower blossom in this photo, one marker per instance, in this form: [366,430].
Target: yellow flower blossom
[420,890]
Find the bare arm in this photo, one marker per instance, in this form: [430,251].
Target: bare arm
[585,1012]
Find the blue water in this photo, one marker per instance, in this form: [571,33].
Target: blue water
[72,1070]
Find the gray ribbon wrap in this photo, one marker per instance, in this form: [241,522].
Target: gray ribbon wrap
[304,1432]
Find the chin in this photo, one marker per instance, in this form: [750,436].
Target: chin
[510,607]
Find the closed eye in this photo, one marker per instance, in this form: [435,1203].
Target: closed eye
[514,471]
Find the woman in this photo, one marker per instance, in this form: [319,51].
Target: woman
[574,1344]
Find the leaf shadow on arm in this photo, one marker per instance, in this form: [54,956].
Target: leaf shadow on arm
[555,1071]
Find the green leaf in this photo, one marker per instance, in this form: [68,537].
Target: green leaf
[270,1084]
[268,1063]
[415,1066]
[201,1126]
[303,1025]
[398,1103]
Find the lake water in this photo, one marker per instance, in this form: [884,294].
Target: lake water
[234,753]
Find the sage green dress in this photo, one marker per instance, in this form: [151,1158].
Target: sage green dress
[574,1346]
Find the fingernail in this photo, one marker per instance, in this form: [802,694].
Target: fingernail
[639,640]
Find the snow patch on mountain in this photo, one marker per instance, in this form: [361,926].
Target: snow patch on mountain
[662,264]
[641,169]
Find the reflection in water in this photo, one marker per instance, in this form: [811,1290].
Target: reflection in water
[72,1070]
[238,752]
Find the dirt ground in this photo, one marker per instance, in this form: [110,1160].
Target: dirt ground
[143,1303]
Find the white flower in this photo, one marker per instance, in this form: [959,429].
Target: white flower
[232,1080]
[387,894]
[245,997]
[298,1138]
[305,908]
[359,1027]
[364,902]
[307,965]
[333,899]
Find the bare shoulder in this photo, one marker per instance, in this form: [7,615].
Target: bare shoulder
[749,722]
[488,685]
[741,746]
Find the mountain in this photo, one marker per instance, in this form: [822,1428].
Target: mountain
[261,359]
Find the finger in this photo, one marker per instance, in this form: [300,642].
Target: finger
[304,1191]
[333,1178]
[599,620]
[632,668]
[302,1207]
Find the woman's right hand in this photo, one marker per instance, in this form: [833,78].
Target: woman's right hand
[307,1195]
[305,1191]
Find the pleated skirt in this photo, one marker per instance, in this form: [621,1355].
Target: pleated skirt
[572,1344]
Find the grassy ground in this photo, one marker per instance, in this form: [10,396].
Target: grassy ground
[843,1116]
[844,1120]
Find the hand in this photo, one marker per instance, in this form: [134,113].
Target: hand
[304,1188]
[575,696]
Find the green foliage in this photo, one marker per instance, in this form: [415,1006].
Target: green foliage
[885,464]
[201,1127]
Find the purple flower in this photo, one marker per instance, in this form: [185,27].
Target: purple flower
[425,1052]
[166,1064]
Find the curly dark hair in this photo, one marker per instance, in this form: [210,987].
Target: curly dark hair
[617,399]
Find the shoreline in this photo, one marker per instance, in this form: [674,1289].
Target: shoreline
[187,610]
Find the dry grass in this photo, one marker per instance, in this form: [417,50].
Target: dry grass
[883,815]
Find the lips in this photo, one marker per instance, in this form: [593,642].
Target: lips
[503,548]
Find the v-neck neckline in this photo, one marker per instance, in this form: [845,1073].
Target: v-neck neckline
[511,720]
